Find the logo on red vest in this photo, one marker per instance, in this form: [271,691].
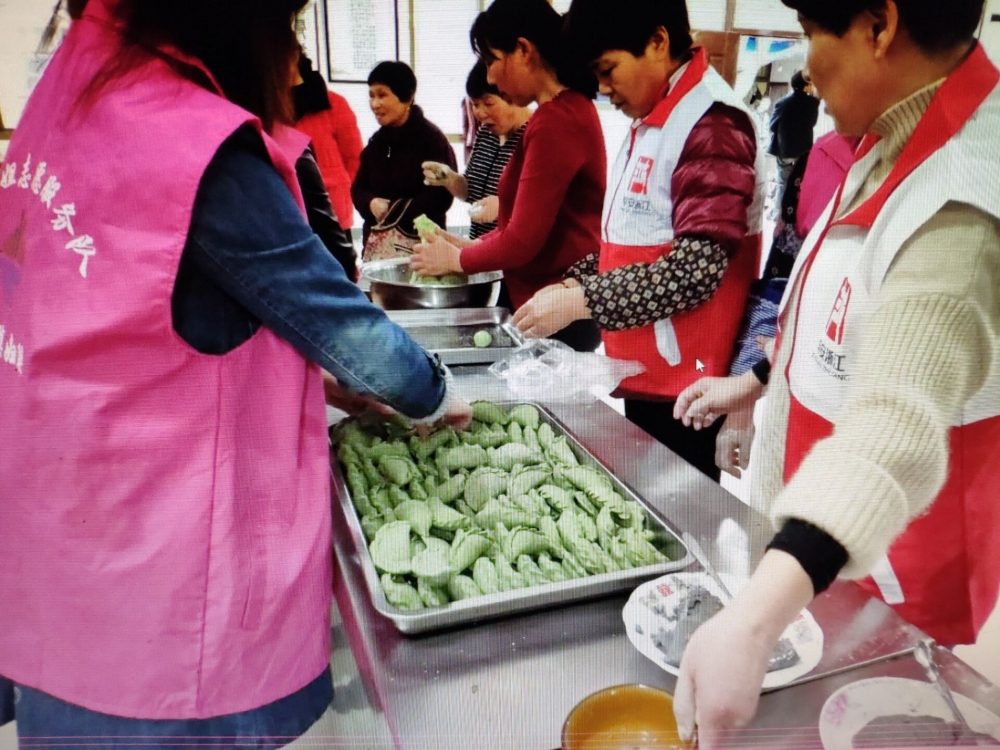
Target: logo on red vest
[640,177]
[835,326]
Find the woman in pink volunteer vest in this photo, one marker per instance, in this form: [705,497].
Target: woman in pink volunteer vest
[165,312]
[881,439]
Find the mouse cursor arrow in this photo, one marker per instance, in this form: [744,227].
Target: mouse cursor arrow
[699,365]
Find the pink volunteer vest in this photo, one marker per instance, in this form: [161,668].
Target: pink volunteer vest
[943,573]
[638,228]
[164,515]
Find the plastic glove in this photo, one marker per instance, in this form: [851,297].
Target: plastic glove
[437,174]
[457,415]
[732,447]
[486,210]
[726,660]
[721,675]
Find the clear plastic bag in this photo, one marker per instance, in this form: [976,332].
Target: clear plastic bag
[547,370]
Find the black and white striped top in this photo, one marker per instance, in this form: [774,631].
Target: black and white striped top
[486,165]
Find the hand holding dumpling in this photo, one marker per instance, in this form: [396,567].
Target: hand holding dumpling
[485,211]
[436,256]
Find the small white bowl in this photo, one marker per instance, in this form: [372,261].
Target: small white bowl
[851,708]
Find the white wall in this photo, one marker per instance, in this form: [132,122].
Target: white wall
[991,30]
[21,26]
[442,58]
[765,14]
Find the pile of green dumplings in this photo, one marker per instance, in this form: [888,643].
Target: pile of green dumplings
[502,506]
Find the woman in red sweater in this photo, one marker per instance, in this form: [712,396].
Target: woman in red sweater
[552,191]
[328,119]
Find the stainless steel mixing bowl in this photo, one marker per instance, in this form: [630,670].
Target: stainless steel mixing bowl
[391,288]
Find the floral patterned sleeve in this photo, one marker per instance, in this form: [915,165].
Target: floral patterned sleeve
[583,268]
[636,295]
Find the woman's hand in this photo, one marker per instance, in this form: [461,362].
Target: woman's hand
[726,660]
[721,676]
[437,174]
[766,345]
[485,211]
[379,208]
[457,416]
[436,257]
[732,446]
[347,401]
[552,309]
[704,401]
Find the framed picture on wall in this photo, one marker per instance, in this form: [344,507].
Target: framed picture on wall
[358,34]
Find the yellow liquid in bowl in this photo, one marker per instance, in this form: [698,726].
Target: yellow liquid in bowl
[627,717]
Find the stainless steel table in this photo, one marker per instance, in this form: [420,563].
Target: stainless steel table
[511,683]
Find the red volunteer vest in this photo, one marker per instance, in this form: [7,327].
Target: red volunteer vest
[638,228]
[943,573]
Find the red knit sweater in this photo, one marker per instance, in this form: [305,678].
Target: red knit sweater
[551,195]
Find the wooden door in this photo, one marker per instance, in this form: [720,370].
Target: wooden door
[723,49]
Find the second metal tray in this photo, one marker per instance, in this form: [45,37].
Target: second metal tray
[449,333]
[494,606]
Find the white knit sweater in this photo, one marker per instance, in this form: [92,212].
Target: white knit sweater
[928,349]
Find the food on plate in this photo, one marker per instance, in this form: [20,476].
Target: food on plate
[482,339]
[695,606]
[918,731]
[501,506]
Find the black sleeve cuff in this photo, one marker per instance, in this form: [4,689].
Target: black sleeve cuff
[820,555]
[762,370]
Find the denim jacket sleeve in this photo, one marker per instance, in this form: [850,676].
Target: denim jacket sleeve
[249,237]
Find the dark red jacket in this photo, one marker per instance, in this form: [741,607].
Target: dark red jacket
[713,183]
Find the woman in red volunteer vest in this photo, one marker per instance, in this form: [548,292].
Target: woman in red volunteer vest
[165,312]
[881,435]
[680,232]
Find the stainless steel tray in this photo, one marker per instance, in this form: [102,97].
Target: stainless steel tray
[493,606]
[448,333]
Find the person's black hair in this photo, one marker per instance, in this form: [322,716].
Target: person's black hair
[247,46]
[476,85]
[398,76]
[799,81]
[311,96]
[935,26]
[594,27]
[505,21]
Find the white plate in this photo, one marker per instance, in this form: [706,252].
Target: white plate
[641,623]
[851,708]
